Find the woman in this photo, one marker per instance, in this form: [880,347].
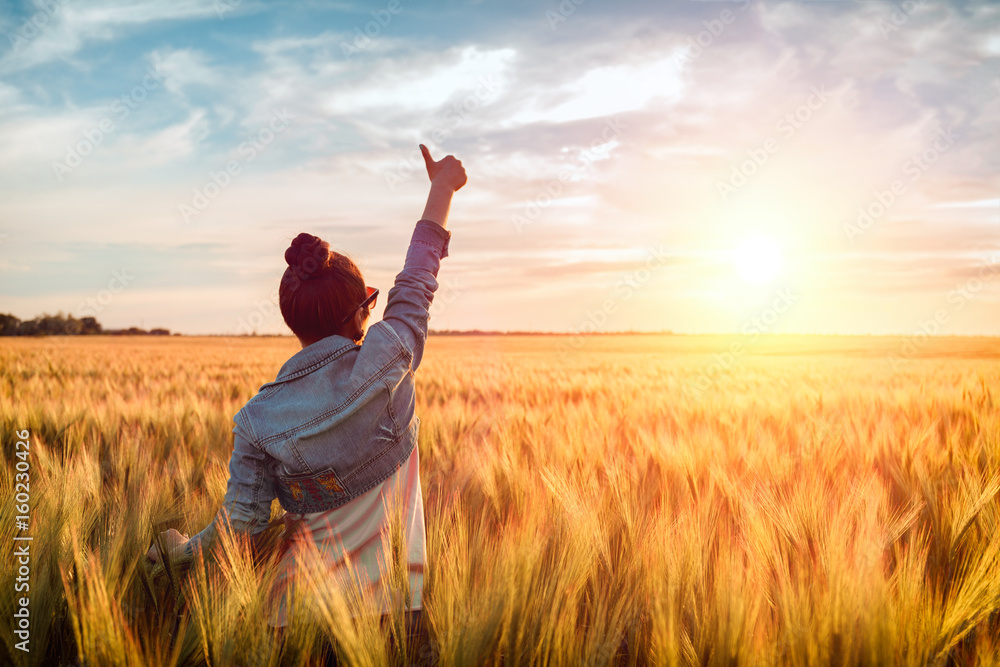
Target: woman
[333,438]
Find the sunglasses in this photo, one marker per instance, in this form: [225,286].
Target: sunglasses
[370,302]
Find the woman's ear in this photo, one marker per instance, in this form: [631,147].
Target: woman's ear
[360,318]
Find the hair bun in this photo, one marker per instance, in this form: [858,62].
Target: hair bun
[308,256]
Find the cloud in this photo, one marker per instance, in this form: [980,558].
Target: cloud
[68,25]
[981,203]
[604,91]
[528,109]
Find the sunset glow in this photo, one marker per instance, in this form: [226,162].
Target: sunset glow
[173,149]
[524,332]
[758,260]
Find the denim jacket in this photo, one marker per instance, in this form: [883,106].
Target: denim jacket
[339,418]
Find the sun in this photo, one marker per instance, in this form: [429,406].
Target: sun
[758,260]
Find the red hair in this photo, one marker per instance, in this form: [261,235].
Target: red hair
[320,288]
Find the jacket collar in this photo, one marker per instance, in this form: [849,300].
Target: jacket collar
[313,356]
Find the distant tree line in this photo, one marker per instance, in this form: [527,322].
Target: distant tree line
[65,325]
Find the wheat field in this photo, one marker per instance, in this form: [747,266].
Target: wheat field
[592,501]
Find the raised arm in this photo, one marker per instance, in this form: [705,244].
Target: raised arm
[410,298]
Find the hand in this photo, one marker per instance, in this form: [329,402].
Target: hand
[175,542]
[447,172]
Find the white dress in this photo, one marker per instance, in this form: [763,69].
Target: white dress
[356,528]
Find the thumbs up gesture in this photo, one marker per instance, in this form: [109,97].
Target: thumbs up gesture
[446,172]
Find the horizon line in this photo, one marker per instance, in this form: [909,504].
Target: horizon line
[481,332]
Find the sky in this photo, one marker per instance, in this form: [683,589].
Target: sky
[697,167]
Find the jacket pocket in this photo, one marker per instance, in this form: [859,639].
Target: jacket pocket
[311,492]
